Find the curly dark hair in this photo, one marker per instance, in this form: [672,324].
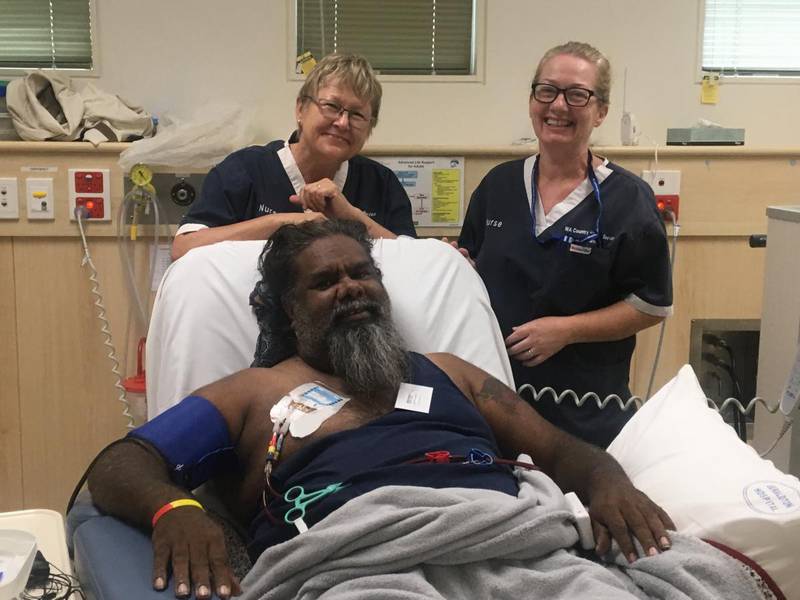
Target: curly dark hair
[276,339]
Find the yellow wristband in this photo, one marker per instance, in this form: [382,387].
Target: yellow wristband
[175,504]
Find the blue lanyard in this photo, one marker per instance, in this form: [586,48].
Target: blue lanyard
[596,235]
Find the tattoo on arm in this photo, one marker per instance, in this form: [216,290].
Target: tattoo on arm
[495,392]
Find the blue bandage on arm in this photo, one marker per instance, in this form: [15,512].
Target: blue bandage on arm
[193,438]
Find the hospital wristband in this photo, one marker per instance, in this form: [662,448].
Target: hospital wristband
[175,504]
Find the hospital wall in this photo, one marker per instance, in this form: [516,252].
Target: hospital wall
[58,403]
[174,57]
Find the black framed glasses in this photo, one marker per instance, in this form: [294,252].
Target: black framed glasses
[332,110]
[574,96]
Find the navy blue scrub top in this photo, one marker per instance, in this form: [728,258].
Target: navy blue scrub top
[252,182]
[528,279]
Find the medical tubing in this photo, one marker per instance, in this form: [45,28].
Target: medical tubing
[675,231]
[626,404]
[127,263]
[743,409]
[787,425]
[101,315]
[579,401]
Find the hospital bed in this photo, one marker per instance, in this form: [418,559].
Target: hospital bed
[675,448]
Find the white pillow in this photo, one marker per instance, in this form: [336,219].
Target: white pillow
[203,329]
[687,459]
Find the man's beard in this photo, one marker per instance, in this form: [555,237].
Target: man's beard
[367,354]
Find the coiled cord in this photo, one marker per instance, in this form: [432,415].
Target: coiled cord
[80,214]
[636,400]
[579,400]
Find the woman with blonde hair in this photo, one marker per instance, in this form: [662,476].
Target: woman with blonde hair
[317,173]
[572,250]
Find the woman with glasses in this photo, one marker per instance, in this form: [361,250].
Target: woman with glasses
[316,174]
[572,250]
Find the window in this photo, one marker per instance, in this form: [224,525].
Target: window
[398,37]
[750,38]
[46,34]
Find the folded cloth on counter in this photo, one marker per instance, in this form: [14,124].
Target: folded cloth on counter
[109,118]
[44,106]
[406,543]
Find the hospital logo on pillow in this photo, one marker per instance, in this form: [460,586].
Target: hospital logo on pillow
[772,498]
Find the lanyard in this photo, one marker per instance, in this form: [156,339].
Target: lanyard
[596,235]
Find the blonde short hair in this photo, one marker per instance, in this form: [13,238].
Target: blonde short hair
[588,53]
[350,70]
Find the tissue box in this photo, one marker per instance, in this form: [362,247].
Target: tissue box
[705,136]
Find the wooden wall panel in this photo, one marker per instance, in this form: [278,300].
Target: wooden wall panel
[715,278]
[69,404]
[11,491]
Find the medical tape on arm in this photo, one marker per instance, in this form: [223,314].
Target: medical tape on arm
[193,439]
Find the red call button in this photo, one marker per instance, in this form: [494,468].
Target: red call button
[88,182]
[93,205]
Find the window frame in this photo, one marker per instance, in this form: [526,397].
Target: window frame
[94,72]
[732,78]
[478,46]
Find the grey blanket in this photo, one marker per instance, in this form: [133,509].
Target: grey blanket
[409,543]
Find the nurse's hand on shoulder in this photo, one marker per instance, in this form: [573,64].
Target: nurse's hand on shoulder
[324,197]
[463,251]
[190,545]
[535,341]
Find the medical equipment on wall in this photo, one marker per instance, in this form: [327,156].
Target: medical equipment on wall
[81,214]
[141,201]
[629,128]
[136,386]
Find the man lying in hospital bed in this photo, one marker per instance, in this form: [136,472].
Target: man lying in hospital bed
[458,527]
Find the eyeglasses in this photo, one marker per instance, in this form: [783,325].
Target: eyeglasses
[574,96]
[333,111]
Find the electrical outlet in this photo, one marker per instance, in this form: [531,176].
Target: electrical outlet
[667,188]
[40,198]
[90,188]
[9,198]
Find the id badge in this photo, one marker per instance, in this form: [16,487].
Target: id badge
[580,249]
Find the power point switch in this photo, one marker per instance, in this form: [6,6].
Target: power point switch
[89,188]
[666,186]
[9,199]
[40,198]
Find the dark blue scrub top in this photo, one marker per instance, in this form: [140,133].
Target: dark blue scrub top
[527,279]
[252,182]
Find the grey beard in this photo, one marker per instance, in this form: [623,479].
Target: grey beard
[370,357]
